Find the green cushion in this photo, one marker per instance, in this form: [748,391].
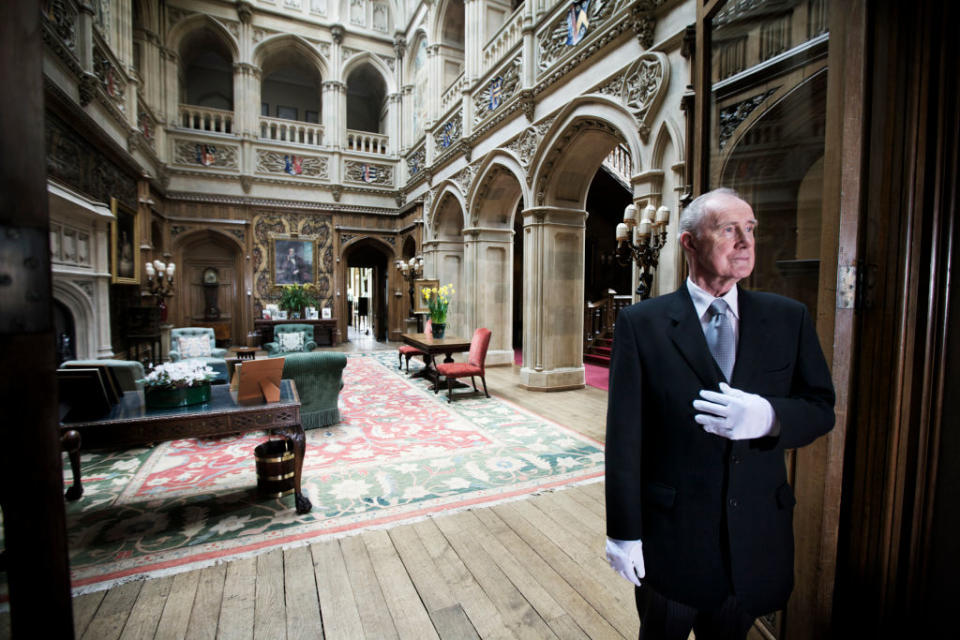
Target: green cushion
[319,378]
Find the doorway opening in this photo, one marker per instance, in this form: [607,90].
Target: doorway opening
[366,287]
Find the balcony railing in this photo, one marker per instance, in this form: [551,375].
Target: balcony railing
[453,92]
[620,164]
[507,36]
[366,142]
[206,119]
[293,131]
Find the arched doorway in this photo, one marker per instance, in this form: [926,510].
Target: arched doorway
[212,304]
[365,277]
[499,196]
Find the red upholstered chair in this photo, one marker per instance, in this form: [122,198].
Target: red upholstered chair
[472,367]
[408,351]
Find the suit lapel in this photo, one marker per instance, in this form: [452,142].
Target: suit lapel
[687,334]
[753,342]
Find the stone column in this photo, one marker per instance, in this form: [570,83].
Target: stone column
[332,128]
[398,142]
[169,61]
[553,250]
[488,283]
[394,126]
[449,269]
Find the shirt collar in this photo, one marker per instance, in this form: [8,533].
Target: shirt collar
[702,299]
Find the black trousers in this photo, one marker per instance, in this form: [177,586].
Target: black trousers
[665,619]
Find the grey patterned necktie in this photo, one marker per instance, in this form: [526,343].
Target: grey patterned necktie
[719,336]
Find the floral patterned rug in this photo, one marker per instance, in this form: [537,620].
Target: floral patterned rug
[400,453]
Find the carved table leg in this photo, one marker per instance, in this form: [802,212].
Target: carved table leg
[70,442]
[299,442]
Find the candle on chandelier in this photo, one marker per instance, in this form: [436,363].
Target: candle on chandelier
[663,216]
[643,230]
[170,269]
[648,214]
[630,215]
[623,232]
[150,270]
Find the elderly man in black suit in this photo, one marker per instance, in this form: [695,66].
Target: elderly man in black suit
[708,386]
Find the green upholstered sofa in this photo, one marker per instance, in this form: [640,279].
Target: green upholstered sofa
[275,349]
[129,372]
[319,378]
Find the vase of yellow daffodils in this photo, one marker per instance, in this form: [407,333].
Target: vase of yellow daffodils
[438,300]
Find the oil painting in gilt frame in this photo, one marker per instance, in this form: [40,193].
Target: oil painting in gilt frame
[124,255]
[293,260]
[419,304]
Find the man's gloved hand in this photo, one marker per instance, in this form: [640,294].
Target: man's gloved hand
[626,558]
[735,414]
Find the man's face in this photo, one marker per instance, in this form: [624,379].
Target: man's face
[723,250]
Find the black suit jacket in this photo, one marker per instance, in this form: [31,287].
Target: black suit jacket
[714,515]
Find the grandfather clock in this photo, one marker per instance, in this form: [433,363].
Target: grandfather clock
[211,283]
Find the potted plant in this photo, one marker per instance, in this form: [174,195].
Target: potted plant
[295,297]
[178,384]
[438,300]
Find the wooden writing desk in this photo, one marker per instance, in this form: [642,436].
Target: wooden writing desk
[130,423]
[324,330]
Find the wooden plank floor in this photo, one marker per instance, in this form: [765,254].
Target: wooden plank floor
[532,568]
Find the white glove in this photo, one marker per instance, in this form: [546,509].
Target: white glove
[735,414]
[626,558]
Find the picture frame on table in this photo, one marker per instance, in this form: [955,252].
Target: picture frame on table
[124,254]
[292,259]
[327,313]
[419,304]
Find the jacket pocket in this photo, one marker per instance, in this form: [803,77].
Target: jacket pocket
[660,494]
[785,497]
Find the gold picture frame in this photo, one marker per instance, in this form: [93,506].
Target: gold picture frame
[419,304]
[292,259]
[124,238]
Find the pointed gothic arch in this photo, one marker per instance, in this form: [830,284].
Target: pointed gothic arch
[575,145]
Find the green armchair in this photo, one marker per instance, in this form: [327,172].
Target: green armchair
[198,343]
[278,348]
[319,378]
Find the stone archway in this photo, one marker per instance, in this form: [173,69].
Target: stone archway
[489,252]
[369,252]
[444,255]
[554,234]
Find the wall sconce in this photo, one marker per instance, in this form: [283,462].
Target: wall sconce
[650,235]
[411,270]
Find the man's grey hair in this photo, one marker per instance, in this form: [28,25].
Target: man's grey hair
[692,217]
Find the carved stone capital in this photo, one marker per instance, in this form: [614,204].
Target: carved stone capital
[336,31]
[88,87]
[528,103]
[245,11]
[399,45]
[643,26]
[246,182]
[333,85]
[465,147]
[337,191]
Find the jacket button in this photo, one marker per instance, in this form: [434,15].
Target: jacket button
[733,502]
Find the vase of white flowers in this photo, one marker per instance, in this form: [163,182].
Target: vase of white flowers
[178,384]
